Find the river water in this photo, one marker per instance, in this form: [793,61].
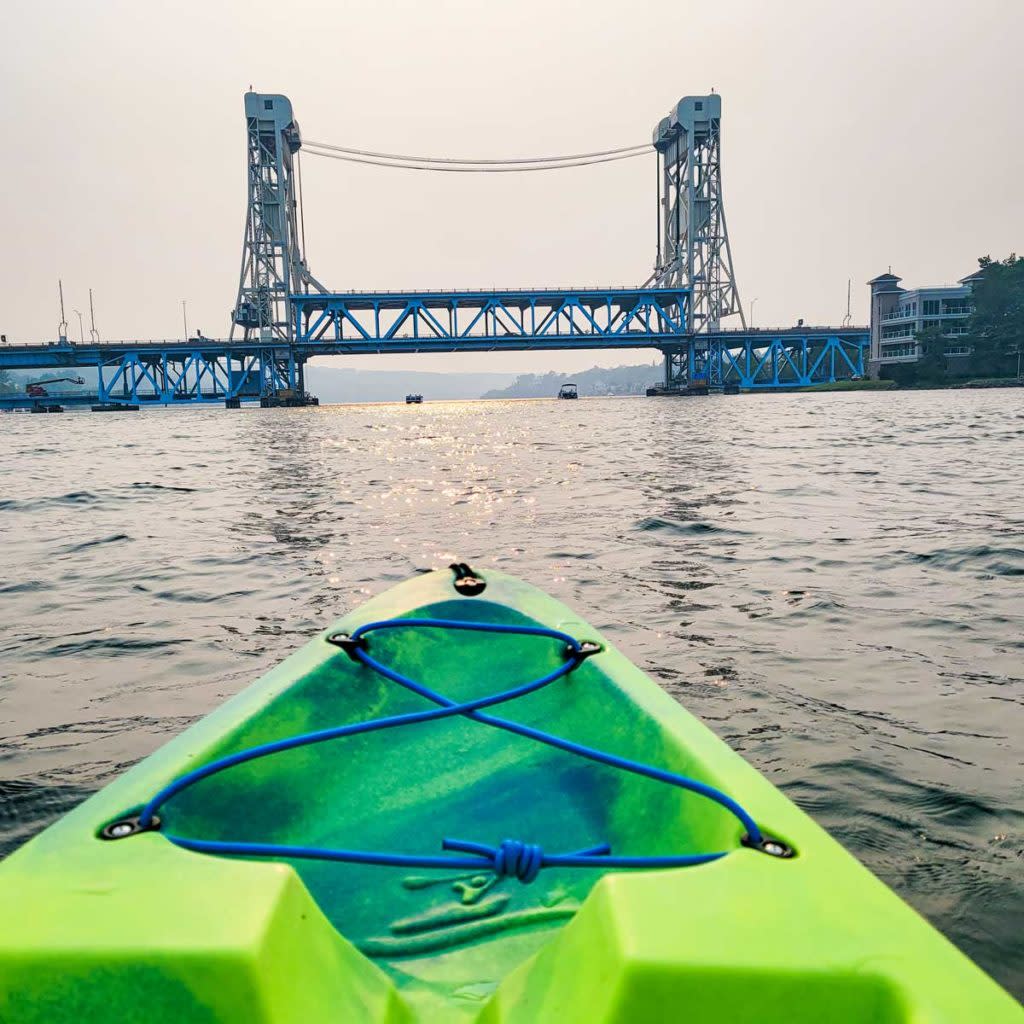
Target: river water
[834,582]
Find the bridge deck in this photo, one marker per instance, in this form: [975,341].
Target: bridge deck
[510,320]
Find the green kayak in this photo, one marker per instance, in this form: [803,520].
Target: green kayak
[460,804]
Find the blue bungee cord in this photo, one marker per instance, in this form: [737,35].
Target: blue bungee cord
[510,858]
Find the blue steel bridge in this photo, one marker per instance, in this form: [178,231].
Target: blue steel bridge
[283,316]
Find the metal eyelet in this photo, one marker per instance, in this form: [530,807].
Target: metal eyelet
[125,827]
[584,650]
[769,845]
[348,644]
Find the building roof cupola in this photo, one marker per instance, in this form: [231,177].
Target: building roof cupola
[888,282]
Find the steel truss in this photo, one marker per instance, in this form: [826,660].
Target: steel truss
[173,376]
[273,265]
[174,373]
[693,240]
[474,321]
[766,360]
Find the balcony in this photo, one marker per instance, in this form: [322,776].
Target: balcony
[898,353]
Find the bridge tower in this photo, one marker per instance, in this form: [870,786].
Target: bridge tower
[273,266]
[693,240]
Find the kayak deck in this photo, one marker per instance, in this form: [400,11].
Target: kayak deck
[198,936]
[405,789]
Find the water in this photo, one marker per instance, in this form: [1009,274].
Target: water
[834,582]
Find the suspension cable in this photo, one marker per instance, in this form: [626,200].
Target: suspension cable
[406,158]
[309,147]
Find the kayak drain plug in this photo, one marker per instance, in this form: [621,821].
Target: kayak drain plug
[767,844]
[124,827]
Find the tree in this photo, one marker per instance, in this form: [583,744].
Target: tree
[7,383]
[931,366]
[996,328]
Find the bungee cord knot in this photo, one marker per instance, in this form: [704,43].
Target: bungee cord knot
[512,858]
[523,860]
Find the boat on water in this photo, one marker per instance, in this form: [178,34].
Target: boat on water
[461,804]
[569,391]
[413,399]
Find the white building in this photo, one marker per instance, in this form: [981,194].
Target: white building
[898,315]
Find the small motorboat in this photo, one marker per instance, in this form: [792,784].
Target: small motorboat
[568,391]
[413,399]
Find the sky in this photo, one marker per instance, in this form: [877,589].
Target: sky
[855,137]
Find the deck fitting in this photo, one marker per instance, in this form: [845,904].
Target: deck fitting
[348,644]
[125,827]
[770,845]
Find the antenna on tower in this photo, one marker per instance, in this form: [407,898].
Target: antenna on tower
[62,327]
[847,319]
[94,335]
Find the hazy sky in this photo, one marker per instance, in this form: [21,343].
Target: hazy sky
[854,136]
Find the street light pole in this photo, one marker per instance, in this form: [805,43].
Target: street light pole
[752,301]
[184,316]
[81,329]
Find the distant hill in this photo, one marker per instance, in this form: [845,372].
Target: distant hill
[331,384]
[618,380]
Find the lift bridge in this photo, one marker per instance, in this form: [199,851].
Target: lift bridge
[284,316]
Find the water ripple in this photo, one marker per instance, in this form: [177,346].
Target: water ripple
[841,603]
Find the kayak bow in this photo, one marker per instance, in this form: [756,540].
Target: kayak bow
[289,857]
